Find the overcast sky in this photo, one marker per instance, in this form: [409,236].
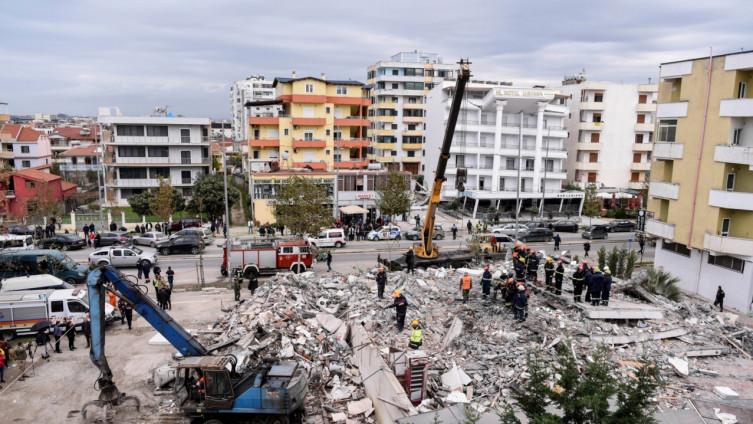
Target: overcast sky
[73,56]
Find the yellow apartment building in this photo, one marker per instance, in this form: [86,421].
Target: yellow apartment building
[701,184]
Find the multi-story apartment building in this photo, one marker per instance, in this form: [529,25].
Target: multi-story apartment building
[399,88]
[701,188]
[611,129]
[23,147]
[321,125]
[142,150]
[65,138]
[252,89]
[507,139]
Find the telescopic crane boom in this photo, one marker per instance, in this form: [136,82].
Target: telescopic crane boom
[427,250]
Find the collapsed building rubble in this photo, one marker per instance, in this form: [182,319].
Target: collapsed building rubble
[473,353]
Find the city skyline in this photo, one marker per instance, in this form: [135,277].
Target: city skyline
[74,57]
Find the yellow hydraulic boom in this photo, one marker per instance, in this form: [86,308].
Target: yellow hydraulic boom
[427,250]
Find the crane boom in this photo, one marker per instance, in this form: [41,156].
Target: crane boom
[427,249]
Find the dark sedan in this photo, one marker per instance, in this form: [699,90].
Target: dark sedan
[62,242]
[622,226]
[566,226]
[112,238]
[21,230]
[181,244]
[537,234]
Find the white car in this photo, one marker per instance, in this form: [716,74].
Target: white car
[331,237]
[118,256]
[150,238]
[510,229]
[387,232]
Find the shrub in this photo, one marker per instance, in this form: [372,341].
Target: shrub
[662,283]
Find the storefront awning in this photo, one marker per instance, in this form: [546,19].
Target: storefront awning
[353,210]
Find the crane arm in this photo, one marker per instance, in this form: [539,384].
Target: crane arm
[427,249]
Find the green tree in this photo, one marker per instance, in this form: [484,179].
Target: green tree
[658,281]
[165,200]
[591,203]
[621,258]
[209,195]
[602,255]
[613,259]
[301,206]
[141,203]
[394,197]
[630,265]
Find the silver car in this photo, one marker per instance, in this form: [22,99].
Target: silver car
[150,238]
[204,233]
[118,256]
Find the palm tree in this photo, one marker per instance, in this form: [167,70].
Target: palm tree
[662,283]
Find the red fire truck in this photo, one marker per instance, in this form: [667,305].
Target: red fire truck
[257,257]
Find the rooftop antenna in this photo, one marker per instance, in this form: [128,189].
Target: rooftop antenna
[160,110]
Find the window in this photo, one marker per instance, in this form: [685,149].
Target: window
[726,222]
[341,90]
[549,165]
[256,154]
[185,157]
[128,253]
[309,88]
[185,135]
[25,164]
[156,130]
[598,97]
[460,161]
[730,182]
[337,135]
[593,157]
[285,131]
[159,173]
[529,164]
[187,191]
[185,177]
[737,135]
[636,158]
[131,151]
[641,119]
[308,136]
[591,177]
[501,184]
[742,90]
[117,252]
[25,149]
[328,132]
[414,85]
[327,110]
[635,177]
[30,184]
[728,262]
[395,86]
[667,130]
[130,130]
[595,137]
[678,248]
[395,72]
[597,117]
[56,306]
[510,164]
[642,99]
[132,173]
[158,152]
[639,139]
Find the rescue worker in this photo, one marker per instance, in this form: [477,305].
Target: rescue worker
[520,303]
[416,336]
[519,265]
[486,282]
[493,243]
[253,282]
[237,284]
[400,303]
[381,280]
[596,284]
[57,333]
[719,300]
[533,266]
[500,287]
[607,289]
[329,261]
[559,274]
[70,332]
[469,226]
[548,272]
[454,230]
[410,260]
[128,312]
[586,248]
[510,290]
[578,279]
[465,286]
[86,328]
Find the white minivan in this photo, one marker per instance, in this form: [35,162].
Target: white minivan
[33,282]
[332,237]
[16,242]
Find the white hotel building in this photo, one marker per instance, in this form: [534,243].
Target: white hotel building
[507,138]
[252,89]
[142,150]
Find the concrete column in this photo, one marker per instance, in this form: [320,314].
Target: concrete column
[73,222]
[122,218]
[562,202]
[475,209]
[580,208]
[497,145]
[109,218]
[537,160]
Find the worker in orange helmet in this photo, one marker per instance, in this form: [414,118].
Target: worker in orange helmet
[400,303]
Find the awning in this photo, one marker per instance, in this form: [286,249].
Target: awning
[353,210]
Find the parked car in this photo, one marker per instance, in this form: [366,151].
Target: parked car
[331,237]
[510,229]
[16,242]
[502,240]
[205,234]
[184,223]
[566,226]
[149,238]
[21,230]
[183,244]
[536,234]
[121,256]
[415,233]
[17,263]
[62,242]
[387,232]
[621,226]
[538,224]
[33,282]
[596,232]
[112,238]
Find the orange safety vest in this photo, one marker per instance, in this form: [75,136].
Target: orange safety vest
[111,298]
[466,282]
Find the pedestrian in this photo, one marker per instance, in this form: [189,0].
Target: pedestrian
[559,274]
[381,280]
[418,220]
[57,333]
[113,226]
[719,299]
[90,240]
[5,347]
[578,279]
[400,303]
[224,231]
[121,310]
[557,240]
[139,269]
[486,282]
[466,282]
[143,229]
[250,224]
[469,226]
[86,328]
[493,242]
[454,230]
[410,260]
[641,243]
[606,290]
[146,267]
[520,303]
[92,228]
[253,283]
[2,365]
[212,228]
[548,273]
[157,227]
[170,277]
[586,248]
[86,233]
[128,312]
[19,355]
[329,261]
[70,331]
[97,241]
[138,230]
[416,336]
[168,297]
[157,271]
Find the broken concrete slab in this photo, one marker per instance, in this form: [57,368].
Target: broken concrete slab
[456,397]
[698,352]
[361,406]
[641,337]
[725,392]
[680,366]
[455,378]
[623,313]
[455,330]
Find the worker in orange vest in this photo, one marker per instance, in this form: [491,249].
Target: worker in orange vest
[465,286]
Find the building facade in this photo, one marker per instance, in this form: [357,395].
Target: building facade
[24,189]
[507,139]
[322,126]
[252,89]
[701,189]
[65,138]
[141,151]
[611,131]
[23,147]
[399,88]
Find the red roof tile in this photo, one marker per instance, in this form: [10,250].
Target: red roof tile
[28,135]
[90,150]
[75,133]
[66,186]
[37,175]
[11,130]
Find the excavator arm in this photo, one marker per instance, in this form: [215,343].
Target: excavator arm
[427,249]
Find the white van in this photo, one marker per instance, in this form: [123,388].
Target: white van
[33,282]
[332,237]
[16,242]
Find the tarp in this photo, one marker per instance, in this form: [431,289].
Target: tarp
[353,210]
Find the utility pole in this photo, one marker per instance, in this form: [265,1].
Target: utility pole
[543,185]
[227,207]
[520,146]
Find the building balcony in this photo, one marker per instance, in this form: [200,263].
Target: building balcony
[263,143]
[352,122]
[315,165]
[588,146]
[386,159]
[382,132]
[640,166]
[740,155]
[79,167]
[642,147]
[309,122]
[591,126]
[644,127]
[384,118]
[136,182]
[351,144]
[672,110]
[385,146]
[587,166]
[309,144]
[413,132]
[264,120]
[736,108]
[384,105]
[663,190]
[413,105]
[637,185]
[411,159]
[412,146]
[728,245]
[738,200]
[348,100]
[413,119]
[660,229]
[10,194]
[646,107]
[668,151]
[174,161]
[351,164]
[592,106]
[158,141]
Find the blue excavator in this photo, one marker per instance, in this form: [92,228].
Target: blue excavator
[207,386]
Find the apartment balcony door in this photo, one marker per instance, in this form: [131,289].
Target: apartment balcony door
[185,157]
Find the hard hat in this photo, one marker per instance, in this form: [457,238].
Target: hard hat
[607,270]
[396,293]
[514,254]
[596,269]
[414,323]
[548,258]
[522,259]
[574,263]
[521,288]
